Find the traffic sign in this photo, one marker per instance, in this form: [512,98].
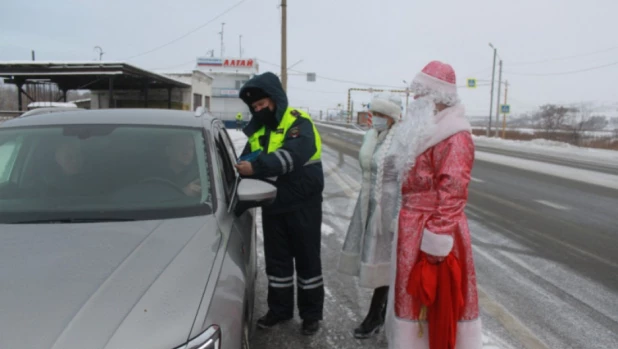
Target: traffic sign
[505,108]
[471,83]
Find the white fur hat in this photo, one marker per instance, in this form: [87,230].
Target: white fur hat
[388,104]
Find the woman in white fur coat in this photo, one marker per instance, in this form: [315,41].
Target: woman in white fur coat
[366,251]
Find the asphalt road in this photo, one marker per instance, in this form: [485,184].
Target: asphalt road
[546,252]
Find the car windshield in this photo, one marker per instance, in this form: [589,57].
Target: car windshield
[102,172]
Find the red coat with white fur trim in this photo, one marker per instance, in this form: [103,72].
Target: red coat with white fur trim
[432,220]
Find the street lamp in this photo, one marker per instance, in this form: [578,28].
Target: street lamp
[407,94]
[491,97]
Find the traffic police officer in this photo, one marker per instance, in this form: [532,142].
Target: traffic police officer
[286,149]
[238,121]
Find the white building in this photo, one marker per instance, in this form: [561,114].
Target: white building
[201,87]
[229,74]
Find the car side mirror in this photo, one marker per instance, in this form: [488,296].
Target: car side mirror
[254,193]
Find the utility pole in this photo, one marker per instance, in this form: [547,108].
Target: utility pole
[100,51]
[240,46]
[506,93]
[498,99]
[284,37]
[491,97]
[32,55]
[221,33]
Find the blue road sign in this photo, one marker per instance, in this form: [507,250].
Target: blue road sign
[505,108]
[471,83]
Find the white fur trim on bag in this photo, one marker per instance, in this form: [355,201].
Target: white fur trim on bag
[439,245]
[385,107]
[435,84]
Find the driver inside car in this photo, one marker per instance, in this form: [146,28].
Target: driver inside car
[66,177]
[181,168]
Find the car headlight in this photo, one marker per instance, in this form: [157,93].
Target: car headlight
[209,339]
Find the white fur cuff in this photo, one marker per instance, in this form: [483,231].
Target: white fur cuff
[439,245]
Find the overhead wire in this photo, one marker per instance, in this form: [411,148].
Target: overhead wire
[562,58]
[565,73]
[229,9]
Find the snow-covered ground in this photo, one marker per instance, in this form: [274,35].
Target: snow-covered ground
[544,146]
[341,190]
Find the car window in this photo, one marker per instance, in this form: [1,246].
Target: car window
[80,170]
[229,145]
[8,154]
[227,165]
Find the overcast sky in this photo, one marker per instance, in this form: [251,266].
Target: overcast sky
[374,42]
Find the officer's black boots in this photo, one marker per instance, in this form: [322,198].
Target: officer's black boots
[269,320]
[375,318]
[310,327]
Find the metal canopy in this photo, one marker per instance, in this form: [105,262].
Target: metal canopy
[86,75]
[108,76]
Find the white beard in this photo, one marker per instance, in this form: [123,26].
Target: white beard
[411,134]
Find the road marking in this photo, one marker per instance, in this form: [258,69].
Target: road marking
[477,180]
[553,205]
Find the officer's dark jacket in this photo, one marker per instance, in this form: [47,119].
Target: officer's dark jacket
[303,186]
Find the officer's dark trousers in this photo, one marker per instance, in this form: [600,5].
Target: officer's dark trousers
[294,237]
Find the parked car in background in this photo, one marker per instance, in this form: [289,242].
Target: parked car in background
[125,229]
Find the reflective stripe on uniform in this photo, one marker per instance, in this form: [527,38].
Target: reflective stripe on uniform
[281,285]
[280,282]
[288,157]
[308,284]
[284,165]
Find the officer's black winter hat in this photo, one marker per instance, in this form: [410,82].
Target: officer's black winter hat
[253,94]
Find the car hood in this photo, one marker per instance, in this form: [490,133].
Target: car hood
[103,285]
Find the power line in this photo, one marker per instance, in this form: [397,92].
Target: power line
[335,79]
[189,32]
[569,72]
[562,58]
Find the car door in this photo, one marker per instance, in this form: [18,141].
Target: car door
[242,228]
[245,224]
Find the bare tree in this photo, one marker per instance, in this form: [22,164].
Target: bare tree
[553,118]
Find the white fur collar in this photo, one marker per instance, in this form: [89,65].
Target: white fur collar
[420,130]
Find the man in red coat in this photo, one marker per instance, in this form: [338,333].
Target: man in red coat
[433,302]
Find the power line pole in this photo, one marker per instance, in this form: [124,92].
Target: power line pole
[498,99]
[284,34]
[491,97]
[506,93]
[33,55]
[240,46]
[221,33]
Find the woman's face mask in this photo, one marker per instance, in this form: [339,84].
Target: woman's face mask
[379,123]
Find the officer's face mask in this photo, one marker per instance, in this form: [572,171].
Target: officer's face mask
[379,123]
[267,117]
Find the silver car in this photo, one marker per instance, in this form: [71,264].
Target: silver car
[125,229]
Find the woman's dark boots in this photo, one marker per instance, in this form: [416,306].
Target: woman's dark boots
[375,317]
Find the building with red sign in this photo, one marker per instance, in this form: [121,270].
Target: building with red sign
[229,74]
